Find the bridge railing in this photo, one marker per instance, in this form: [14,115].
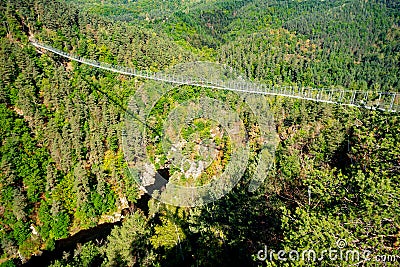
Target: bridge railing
[389,101]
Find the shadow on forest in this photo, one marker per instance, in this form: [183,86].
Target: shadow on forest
[243,217]
[67,245]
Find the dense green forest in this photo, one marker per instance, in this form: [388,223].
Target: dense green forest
[63,174]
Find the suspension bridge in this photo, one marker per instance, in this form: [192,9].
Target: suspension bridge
[385,101]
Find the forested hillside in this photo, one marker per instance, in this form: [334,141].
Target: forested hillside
[65,189]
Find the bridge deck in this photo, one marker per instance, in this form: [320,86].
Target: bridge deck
[387,101]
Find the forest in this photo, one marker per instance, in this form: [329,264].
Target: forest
[69,197]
